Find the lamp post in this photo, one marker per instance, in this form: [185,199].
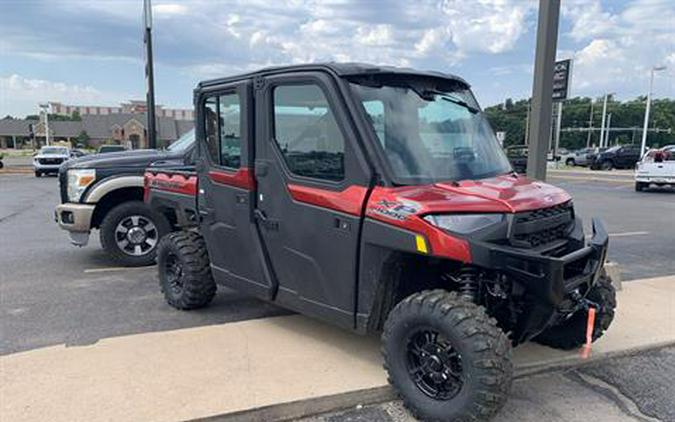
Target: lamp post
[643,146]
[149,74]
[604,116]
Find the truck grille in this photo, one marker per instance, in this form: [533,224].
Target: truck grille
[50,161]
[540,227]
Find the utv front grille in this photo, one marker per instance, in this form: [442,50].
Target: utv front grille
[540,227]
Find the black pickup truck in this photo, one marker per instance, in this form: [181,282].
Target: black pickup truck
[105,192]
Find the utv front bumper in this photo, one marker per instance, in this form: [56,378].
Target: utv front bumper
[551,285]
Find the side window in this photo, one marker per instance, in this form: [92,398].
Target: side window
[306,132]
[222,122]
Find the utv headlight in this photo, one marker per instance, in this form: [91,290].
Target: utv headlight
[78,180]
[463,223]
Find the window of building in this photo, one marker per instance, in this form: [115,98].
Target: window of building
[306,132]
[222,123]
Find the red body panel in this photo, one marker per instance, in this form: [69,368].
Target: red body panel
[170,182]
[348,201]
[405,206]
[242,178]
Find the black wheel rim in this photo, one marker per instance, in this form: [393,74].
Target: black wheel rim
[434,365]
[173,270]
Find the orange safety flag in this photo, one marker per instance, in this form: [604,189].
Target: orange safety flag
[590,326]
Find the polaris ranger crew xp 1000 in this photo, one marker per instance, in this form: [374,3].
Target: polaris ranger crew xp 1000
[378,199]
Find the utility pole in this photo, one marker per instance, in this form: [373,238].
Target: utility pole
[590,126]
[149,74]
[609,125]
[542,87]
[602,122]
[643,145]
[45,110]
[558,122]
[527,121]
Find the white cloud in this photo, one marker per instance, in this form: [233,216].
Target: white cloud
[24,94]
[169,9]
[617,49]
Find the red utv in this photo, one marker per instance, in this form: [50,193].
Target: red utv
[378,199]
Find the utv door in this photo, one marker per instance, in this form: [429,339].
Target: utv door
[227,188]
[312,184]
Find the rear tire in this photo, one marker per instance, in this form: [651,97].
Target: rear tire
[446,358]
[606,165]
[38,173]
[570,162]
[571,333]
[148,226]
[184,271]
[640,186]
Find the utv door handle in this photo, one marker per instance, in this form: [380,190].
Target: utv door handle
[264,221]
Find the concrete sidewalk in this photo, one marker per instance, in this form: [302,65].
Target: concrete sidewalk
[260,369]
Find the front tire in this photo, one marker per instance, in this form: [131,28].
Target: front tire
[184,271]
[640,186]
[38,173]
[570,162]
[606,165]
[130,233]
[446,358]
[571,333]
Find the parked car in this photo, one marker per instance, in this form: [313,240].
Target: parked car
[619,157]
[452,256]
[77,153]
[104,149]
[105,192]
[657,167]
[517,155]
[584,157]
[49,159]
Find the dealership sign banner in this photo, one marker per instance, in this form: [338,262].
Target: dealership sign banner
[562,79]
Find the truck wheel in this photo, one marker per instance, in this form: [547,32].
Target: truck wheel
[571,333]
[130,233]
[446,358]
[640,186]
[184,271]
[38,173]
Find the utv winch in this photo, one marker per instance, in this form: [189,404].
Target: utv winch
[378,199]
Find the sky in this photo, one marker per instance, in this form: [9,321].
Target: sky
[90,52]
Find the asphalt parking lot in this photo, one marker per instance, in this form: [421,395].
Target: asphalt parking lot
[54,293]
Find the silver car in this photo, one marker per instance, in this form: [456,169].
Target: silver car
[49,159]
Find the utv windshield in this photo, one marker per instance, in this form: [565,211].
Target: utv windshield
[183,143]
[431,134]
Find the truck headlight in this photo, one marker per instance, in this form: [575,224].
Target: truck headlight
[463,223]
[78,180]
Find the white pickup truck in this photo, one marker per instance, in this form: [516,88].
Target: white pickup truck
[657,167]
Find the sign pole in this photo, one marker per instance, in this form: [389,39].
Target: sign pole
[542,88]
[149,75]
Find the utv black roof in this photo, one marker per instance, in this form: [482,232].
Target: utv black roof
[340,69]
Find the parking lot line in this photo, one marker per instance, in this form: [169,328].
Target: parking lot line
[621,180]
[110,269]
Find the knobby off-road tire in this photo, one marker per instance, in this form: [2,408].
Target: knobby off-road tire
[477,358]
[571,333]
[184,270]
[138,216]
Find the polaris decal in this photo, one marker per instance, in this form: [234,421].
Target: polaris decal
[395,210]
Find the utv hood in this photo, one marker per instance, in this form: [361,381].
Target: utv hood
[506,194]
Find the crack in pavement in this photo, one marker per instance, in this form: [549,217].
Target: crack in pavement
[612,393]
[14,214]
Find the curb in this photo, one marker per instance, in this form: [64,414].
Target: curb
[317,405]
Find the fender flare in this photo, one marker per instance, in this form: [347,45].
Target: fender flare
[105,186]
